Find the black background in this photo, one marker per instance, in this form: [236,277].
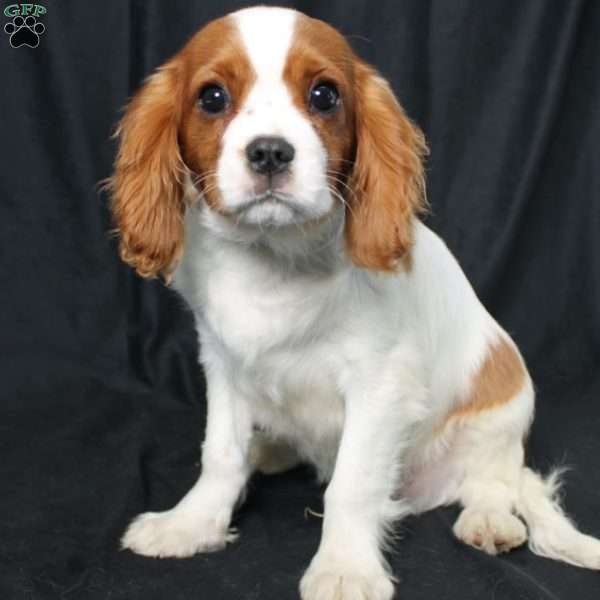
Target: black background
[101,398]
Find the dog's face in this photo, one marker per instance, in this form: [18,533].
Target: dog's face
[268,121]
[277,123]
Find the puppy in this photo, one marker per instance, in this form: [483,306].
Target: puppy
[335,327]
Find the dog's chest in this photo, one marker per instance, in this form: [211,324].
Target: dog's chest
[281,336]
[255,312]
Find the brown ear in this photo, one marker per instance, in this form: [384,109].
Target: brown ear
[146,186]
[387,178]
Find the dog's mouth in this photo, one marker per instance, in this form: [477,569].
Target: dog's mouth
[271,208]
[269,196]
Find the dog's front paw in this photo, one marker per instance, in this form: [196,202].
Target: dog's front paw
[336,580]
[176,533]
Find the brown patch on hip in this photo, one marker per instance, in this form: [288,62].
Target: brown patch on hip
[498,380]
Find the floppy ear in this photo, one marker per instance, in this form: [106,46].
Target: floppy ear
[146,187]
[387,177]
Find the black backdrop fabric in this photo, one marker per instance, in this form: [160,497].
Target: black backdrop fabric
[101,397]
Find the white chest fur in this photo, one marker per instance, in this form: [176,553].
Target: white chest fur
[283,336]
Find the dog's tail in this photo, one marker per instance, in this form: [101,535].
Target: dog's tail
[551,533]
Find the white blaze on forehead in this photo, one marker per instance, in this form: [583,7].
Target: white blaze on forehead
[267,33]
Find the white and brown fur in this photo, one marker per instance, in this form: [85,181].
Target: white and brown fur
[337,324]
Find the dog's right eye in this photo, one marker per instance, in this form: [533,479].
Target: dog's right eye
[213,99]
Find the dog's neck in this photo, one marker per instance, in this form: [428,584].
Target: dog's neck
[316,247]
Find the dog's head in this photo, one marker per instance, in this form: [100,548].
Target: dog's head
[276,122]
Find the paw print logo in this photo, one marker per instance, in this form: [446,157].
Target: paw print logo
[24,31]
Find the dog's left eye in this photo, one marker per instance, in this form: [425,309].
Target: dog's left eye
[213,99]
[324,97]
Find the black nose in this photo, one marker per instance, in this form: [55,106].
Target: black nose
[269,155]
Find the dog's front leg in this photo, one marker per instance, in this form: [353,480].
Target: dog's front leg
[381,413]
[200,522]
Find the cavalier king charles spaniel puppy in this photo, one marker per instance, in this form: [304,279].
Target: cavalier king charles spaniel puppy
[271,176]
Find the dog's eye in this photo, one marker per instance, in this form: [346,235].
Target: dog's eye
[213,99]
[324,97]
